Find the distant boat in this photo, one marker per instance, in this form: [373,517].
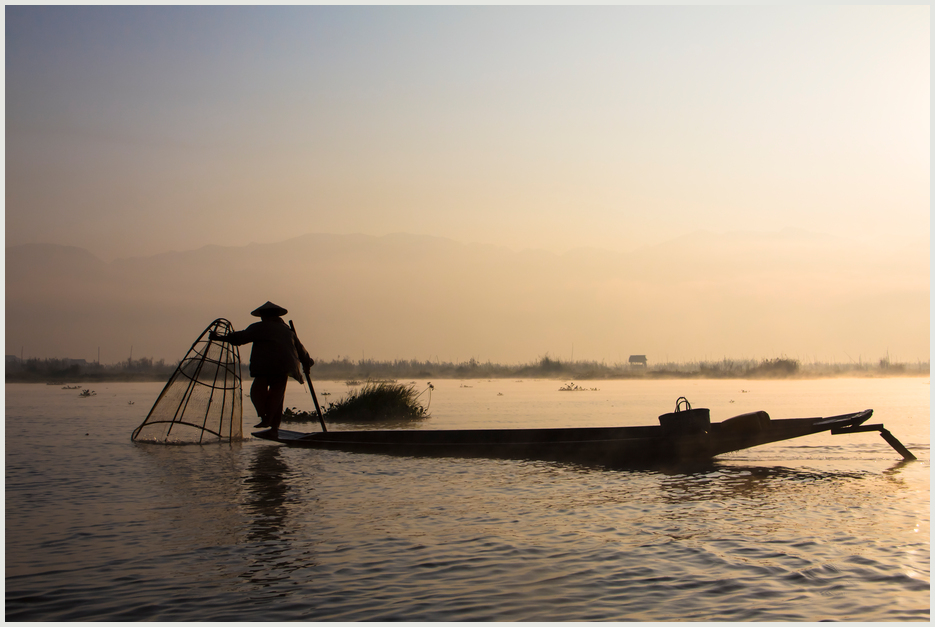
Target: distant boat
[682,436]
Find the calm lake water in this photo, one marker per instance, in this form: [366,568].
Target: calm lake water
[820,528]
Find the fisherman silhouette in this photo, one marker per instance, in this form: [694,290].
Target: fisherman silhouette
[277,354]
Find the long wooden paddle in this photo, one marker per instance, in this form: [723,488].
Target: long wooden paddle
[308,377]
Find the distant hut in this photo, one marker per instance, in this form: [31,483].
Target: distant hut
[638,360]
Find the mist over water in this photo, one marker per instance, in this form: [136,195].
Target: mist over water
[699,298]
[823,527]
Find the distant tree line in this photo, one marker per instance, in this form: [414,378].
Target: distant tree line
[146,369]
[551,368]
[78,370]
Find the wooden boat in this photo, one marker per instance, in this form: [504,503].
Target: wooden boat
[682,436]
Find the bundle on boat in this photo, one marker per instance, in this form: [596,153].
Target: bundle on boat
[375,401]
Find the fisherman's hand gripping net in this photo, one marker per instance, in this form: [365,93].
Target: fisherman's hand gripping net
[203,400]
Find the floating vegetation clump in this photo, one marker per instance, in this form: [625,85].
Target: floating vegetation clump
[373,402]
[572,387]
[293,414]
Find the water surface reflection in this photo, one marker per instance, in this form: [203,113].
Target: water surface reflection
[266,494]
[99,528]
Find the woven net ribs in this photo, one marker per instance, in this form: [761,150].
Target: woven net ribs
[203,400]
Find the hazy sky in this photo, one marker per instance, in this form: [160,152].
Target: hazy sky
[132,131]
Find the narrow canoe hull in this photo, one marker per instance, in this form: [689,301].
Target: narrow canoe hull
[611,446]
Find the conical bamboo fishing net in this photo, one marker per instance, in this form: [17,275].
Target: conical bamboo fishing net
[203,400]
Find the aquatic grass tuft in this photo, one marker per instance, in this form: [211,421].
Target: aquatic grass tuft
[374,401]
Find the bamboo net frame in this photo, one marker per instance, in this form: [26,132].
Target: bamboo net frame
[203,399]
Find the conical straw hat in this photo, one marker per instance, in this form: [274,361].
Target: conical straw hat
[269,309]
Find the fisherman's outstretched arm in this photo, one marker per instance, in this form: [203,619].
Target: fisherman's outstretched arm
[237,338]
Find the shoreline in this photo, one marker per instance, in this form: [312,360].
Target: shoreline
[651,376]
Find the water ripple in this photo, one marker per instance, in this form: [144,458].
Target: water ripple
[124,532]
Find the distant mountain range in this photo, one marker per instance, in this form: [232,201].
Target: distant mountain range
[403,296]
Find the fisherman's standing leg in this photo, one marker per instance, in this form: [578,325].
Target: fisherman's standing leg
[259,394]
[277,395]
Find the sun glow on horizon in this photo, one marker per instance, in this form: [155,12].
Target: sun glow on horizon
[585,150]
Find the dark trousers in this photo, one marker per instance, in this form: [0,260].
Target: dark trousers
[267,394]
